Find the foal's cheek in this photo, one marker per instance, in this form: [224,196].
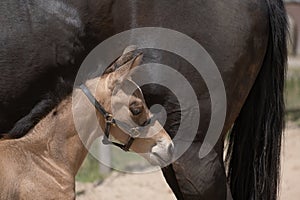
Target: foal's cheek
[140,120]
[143,145]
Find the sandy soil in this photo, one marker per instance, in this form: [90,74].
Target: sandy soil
[147,186]
[294,62]
[290,185]
[151,186]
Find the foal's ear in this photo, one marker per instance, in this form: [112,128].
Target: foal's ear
[127,55]
[123,71]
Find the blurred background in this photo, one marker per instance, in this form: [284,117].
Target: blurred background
[96,181]
[291,142]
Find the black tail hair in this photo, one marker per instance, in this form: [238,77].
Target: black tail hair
[255,140]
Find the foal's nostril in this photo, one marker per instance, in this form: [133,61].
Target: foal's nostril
[146,122]
[171,149]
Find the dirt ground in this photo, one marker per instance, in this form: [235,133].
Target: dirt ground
[118,186]
[290,185]
[151,186]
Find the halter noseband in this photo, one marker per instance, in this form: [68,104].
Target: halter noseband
[109,121]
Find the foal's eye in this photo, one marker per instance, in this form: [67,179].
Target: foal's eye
[136,108]
[135,111]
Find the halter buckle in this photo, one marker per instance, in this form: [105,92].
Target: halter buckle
[109,119]
[134,132]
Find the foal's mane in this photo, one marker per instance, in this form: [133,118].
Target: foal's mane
[62,90]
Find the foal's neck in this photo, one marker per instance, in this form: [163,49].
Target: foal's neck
[57,133]
[55,136]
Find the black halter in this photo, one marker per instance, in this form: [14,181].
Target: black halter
[110,121]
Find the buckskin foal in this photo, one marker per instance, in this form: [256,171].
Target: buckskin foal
[43,164]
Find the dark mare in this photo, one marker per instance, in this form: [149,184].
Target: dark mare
[43,44]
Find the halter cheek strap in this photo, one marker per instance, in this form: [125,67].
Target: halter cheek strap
[109,121]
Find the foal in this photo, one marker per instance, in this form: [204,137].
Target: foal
[43,164]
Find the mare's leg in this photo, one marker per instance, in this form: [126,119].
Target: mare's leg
[170,177]
[199,178]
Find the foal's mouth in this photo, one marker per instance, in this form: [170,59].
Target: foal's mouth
[163,157]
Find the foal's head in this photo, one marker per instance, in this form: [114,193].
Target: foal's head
[124,100]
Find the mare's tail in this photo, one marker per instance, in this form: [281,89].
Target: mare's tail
[255,140]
